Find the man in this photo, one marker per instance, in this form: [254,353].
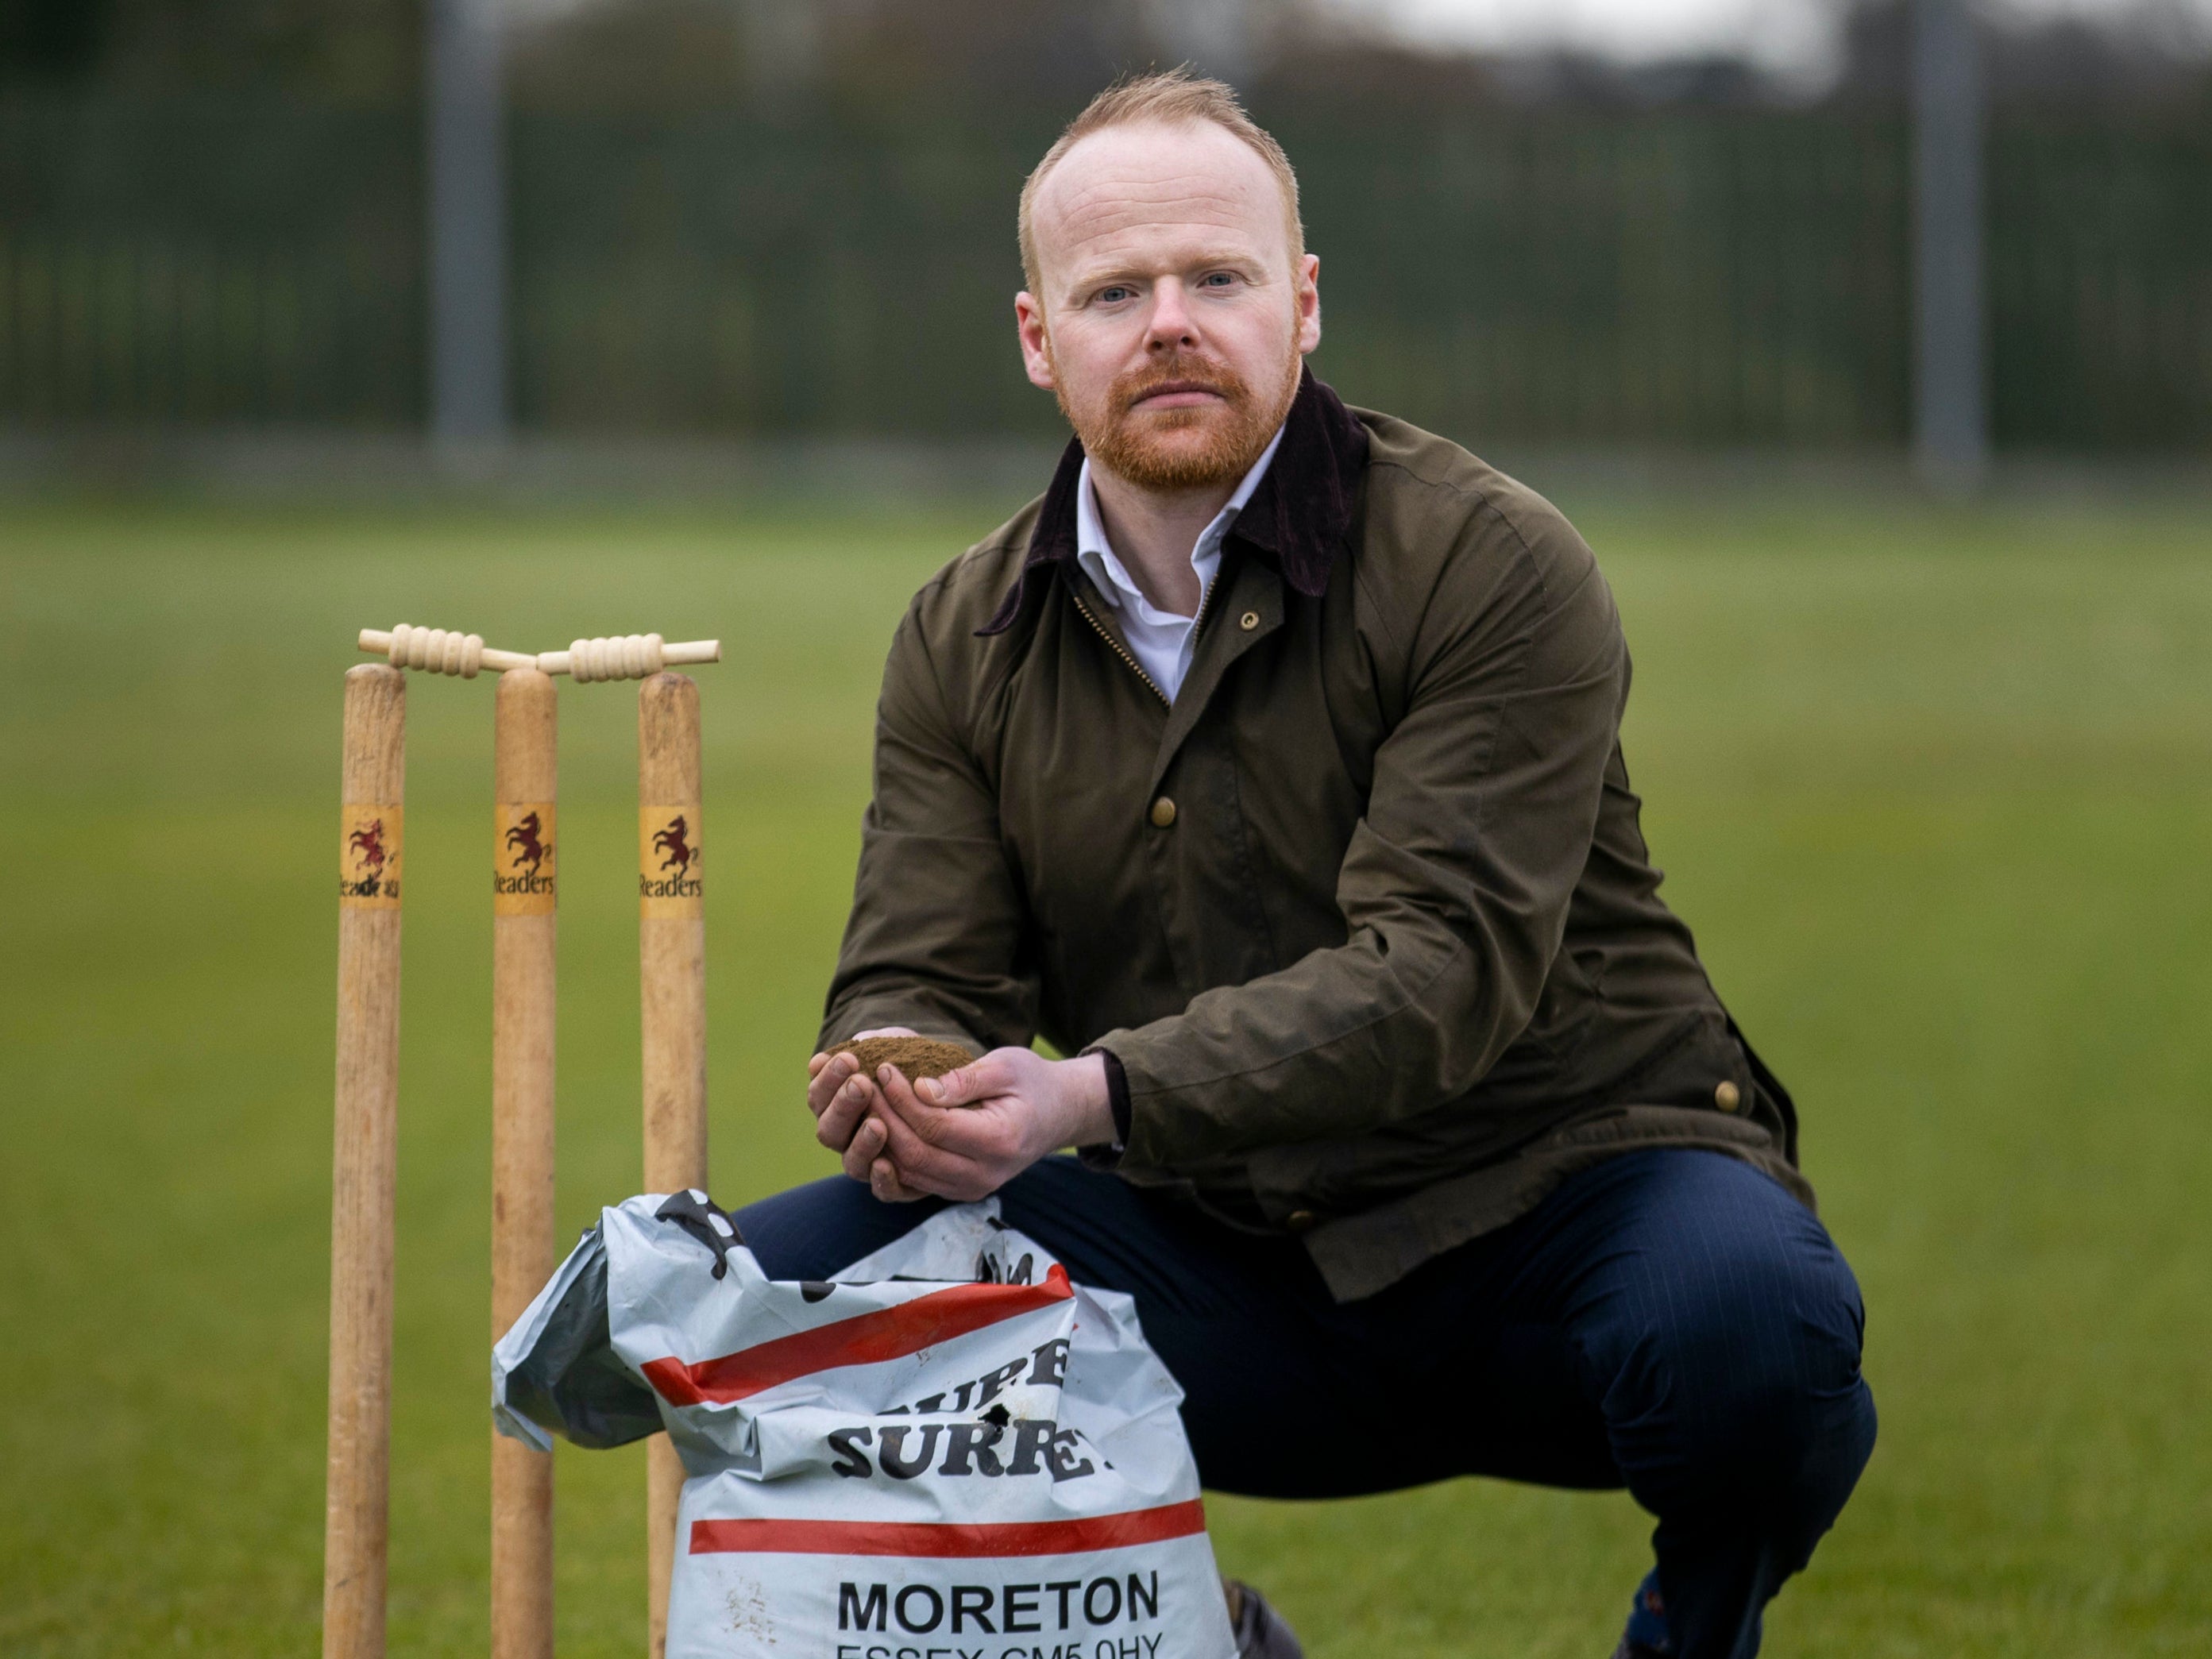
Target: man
[1269,765]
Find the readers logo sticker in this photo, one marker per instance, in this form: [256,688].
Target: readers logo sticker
[523,875]
[669,861]
[368,856]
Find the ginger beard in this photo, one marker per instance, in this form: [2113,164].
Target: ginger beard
[1152,449]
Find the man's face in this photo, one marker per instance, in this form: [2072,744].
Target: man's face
[1172,316]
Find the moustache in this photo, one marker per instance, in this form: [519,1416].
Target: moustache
[1134,388]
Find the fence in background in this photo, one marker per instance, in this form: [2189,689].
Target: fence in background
[1693,276]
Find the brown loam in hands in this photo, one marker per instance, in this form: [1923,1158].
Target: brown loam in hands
[915,1057]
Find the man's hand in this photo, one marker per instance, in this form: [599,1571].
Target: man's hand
[966,1134]
[836,1093]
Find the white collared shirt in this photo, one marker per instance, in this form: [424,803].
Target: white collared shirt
[1161,640]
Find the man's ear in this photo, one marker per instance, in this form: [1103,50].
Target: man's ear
[1029,326]
[1309,301]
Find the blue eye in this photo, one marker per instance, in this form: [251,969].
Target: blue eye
[1220,278]
[1114,295]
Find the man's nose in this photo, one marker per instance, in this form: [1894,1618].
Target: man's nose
[1173,328]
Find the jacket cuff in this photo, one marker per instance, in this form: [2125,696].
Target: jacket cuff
[1117,1094]
[1117,1101]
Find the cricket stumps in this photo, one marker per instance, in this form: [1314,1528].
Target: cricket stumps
[357,1493]
[525,878]
[672,1004]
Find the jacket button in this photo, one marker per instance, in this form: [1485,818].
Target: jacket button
[1163,812]
[1299,1221]
[1728,1097]
[1249,621]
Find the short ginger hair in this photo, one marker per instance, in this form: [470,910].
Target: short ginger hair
[1173,97]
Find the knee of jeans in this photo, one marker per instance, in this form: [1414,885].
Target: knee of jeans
[1760,1368]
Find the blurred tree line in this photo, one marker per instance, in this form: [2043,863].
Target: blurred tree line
[349,50]
[656,55]
[771,216]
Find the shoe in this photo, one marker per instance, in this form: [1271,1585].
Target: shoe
[1647,1636]
[1260,1631]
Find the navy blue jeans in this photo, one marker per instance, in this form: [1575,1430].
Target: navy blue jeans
[1671,1322]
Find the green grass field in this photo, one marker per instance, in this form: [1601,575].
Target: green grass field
[1934,788]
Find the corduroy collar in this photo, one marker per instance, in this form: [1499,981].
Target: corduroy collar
[1298,515]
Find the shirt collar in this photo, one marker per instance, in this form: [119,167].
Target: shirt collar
[1299,512]
[1095,555]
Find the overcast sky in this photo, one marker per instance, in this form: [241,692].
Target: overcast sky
[1794,35]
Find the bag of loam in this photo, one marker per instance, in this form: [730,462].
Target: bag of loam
[947,1449]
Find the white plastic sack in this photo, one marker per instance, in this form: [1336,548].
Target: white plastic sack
[951,1452]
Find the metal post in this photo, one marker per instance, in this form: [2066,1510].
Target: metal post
[1951,442]
[468,227]
[1214,36]
[782,44]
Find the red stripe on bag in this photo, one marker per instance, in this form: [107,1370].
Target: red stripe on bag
[867,1339]
[918,1538]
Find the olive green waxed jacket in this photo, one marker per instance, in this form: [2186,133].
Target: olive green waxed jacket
[1364,920]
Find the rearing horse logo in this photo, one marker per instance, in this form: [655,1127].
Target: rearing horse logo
[529,850]
[368,843]
[672,841]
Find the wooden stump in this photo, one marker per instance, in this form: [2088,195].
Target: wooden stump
[363,1164]
[525,855]
[673,997]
